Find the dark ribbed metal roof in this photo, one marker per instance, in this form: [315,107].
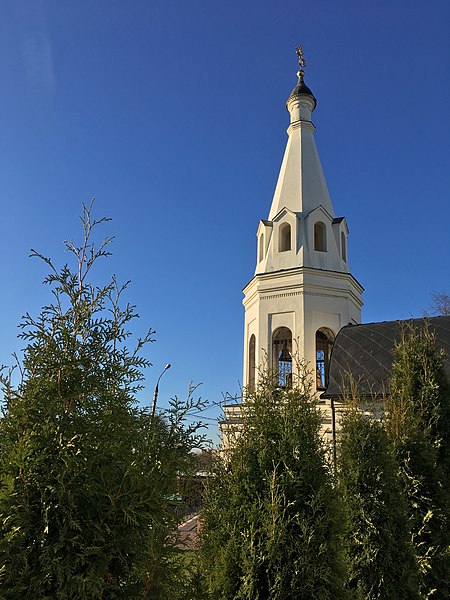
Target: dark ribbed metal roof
[301,89]
[364,352]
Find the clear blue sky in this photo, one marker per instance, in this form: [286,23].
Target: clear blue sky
[171,113]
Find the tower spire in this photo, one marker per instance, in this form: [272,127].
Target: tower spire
[301,185]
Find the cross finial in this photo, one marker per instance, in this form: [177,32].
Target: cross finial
[301,61]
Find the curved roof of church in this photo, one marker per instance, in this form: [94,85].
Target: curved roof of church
[301,89]
[364,353]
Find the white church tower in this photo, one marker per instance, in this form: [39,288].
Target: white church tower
[302,291]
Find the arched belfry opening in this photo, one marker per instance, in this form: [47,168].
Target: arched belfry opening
[251,362]
[324,345]
[320,236]
[282,356]
[284,242]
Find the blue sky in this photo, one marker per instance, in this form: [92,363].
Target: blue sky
[171,113]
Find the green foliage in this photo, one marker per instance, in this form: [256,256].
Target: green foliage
[380,553]
[419,423]
[84,473]
[272,523]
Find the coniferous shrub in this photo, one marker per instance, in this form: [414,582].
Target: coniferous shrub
[85,475]
[272,518]
[419,424]
[378,542]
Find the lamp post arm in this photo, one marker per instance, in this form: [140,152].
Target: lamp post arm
[155,394]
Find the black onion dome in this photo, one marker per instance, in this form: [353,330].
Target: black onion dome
[301,89]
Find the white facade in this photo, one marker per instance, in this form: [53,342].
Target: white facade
[302,280]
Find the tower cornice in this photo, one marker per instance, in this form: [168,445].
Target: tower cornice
[298,277]
[301,123]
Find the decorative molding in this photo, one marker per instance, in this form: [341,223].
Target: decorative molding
[300,124]
[301,293]
[285,295]
[304,272]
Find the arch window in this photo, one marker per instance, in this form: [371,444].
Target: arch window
[320,237]
[324,344]
[261,247]
[251,362]
[284,241]
[282,356]
[343,247]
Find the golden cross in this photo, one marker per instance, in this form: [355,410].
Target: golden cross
[301,58]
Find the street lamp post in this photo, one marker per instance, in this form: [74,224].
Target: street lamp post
[155,395]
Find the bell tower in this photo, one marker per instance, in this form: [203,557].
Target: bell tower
[302,291]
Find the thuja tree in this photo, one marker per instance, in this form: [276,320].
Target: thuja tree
[378,542]
[272,523]
[419,424]
[85,475]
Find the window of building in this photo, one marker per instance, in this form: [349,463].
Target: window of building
[343,247]
[282,356]
[320,237]
[324,344]
[284,241]
[261,247]
[251,362]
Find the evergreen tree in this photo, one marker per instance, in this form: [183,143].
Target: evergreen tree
[380,553]
[85,476]
[272,523]
[419,423]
